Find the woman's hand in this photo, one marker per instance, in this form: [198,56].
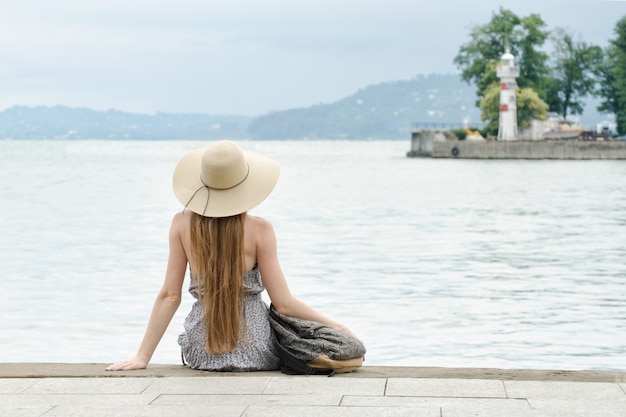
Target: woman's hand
[128,365]
[344,329]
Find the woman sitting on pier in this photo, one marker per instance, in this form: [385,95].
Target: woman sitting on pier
[232,258]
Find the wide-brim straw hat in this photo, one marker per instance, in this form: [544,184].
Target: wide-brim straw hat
[223,180]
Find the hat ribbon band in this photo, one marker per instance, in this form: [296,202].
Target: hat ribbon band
[209,188]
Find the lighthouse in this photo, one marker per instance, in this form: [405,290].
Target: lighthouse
[507,72]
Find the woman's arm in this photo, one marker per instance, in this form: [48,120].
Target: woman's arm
[166,303]
[276,284]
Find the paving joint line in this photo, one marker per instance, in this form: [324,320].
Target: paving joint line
[506,393]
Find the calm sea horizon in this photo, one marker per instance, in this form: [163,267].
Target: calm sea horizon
[456,263]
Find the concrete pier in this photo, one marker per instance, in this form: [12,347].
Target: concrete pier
[442,144]
[172,390]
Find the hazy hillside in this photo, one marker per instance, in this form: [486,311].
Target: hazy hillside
[61,122]
[379,111]
[385,111]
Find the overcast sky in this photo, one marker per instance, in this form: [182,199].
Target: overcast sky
[244,56]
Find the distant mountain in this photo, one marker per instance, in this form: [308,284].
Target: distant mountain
[61,122]
[382,111]
[385,110]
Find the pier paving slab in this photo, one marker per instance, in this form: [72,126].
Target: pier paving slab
[76,400]
[16,385]
[89,386]
[265,400]
[147,411]
[558,407]
[341,412]
[570,391]
[316,385]
[27,411]
[479,406]
[45,390]
[208,384]
[425,387]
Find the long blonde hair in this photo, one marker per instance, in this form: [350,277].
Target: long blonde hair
[217,260]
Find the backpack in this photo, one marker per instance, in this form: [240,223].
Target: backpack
[309,348]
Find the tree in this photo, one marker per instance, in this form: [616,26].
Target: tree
[612,74]
[524,36]
[529,106]
[619,70]
[607,85]
[490,109]
[573,65]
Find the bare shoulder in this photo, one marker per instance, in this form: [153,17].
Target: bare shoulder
[260,229]
[180,221]
[180,216]
[259,223]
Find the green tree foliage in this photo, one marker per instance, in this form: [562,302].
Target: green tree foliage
[490,109]
[525,37]
[607,87]
[573,64]
[489,77]
[611,72]
[619,69]
[529,106]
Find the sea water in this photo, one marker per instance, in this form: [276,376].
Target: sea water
[469,263]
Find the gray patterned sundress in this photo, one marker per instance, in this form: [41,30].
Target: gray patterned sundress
[256,353]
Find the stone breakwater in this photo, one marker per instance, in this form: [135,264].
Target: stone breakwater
[441,144]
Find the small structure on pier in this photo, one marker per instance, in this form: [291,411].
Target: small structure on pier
[507,72]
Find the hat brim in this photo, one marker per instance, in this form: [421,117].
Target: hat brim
[194,195]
